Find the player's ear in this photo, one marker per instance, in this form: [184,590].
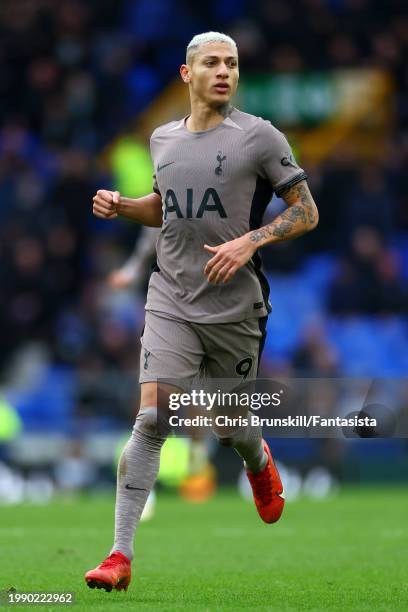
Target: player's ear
[185,73]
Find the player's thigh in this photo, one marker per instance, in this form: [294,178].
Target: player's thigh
[232,364]
[234,349]
[171,353]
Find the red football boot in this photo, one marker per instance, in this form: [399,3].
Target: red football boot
[268,490]
[113,573]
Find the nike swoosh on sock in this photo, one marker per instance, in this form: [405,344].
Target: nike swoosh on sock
[134,488]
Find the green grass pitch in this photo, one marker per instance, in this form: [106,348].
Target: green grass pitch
[348,552]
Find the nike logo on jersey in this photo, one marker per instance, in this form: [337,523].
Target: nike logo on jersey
[164,166]
[134,488]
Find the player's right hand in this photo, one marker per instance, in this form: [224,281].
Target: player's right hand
[105,203]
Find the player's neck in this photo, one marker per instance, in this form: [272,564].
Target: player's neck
[204,117]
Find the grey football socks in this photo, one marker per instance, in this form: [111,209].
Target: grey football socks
[248,444]
[139,465]
[137,471]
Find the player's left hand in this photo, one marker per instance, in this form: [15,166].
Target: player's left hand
[121,279]
[228,258]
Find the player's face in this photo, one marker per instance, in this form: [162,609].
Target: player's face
[214,73]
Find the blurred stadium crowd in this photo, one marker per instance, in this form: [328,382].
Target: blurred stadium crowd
[72,75]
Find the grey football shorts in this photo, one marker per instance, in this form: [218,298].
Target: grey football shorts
[178,350]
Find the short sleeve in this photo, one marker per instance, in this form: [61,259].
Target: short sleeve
[276,159]
[155,185]
[152,154]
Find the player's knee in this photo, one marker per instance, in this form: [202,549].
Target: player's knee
[150,423]
[146,421]
[122,464]
[226,441]
[232,439]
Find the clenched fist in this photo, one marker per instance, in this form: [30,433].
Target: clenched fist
[105,203]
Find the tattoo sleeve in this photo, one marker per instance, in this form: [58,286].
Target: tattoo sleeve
[300,217]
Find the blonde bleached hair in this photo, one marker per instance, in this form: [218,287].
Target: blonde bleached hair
[204,38]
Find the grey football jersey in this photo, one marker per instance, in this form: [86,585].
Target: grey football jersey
[215,186]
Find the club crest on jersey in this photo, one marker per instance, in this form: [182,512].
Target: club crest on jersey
[220,159]
[146,358]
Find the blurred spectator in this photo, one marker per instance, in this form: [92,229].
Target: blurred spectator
[314,356]
[368,279]
[74,472]
[371,203]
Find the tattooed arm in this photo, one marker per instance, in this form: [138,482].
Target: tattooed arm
[300,217]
